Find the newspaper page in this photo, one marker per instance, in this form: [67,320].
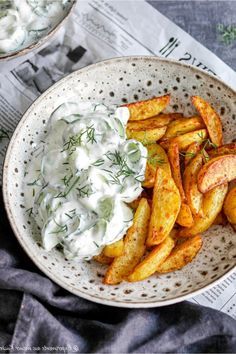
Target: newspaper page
[102,29]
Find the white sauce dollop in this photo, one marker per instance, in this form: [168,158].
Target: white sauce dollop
[24,22]
[81,177]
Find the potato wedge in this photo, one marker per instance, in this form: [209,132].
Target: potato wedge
[212,205]
[185,140]
[165,208]
[183,125]
[114,249]
[216,171]
[226,149]
[101,258]
[210,118]
[158,121]
[173,154]
[154,259]
[150,174]
[148,136]
[134,246]
[148,108]
[157,157]
[134,205]
[181,255]
[191,152]
[230,206]
[193,195]
[185,216]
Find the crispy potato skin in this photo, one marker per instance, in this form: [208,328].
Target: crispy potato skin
[183,125]
[212,205]
[150,263]
[148,136]
[114,249]
[210,118]
[165,208]
[191,152]
[226,149]
[101,258]
[134,246]
[217,171]
[181,255]
[157,157]
[185,140]
[148,108]
[193,195]
[230,206]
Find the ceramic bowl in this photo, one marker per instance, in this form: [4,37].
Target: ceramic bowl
[119,81]
[45,38]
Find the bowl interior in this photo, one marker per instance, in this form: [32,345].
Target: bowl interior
[120,81]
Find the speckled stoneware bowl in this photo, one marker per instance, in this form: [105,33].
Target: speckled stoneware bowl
[45,38]
[118,81]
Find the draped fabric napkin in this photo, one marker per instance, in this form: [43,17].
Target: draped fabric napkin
[37,316]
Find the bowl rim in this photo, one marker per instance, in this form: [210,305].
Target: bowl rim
[31,47]
[13,224]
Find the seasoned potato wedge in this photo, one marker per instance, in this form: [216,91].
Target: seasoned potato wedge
[183,125]
[191,152]
[193,195]
[185,140]
[148,108]
[165,208]
[212,205]
[185,216]
[210,118]
[114,249]
[154,259]
[150,174]
[181,255]
[147,136]
[230,206]
[134,246]
[157,157]
[216,171]
[101,258]
[226,149]
[173,154]
[158,121]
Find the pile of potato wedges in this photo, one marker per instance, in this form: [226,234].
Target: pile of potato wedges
[188,187]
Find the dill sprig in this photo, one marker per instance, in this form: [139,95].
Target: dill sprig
[76,140]
[227,33]
[61,228]
[85,191]
[187,154]
[98,162]
[156,160]
[120,161]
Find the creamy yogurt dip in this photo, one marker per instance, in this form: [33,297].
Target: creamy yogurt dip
[24,22]
[82,176]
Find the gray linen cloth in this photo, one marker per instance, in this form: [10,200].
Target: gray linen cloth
[38,316]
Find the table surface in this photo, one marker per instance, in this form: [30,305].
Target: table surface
[200,19]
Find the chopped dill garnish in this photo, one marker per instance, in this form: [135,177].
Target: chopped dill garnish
[97,163]
[227,33]
[76,140]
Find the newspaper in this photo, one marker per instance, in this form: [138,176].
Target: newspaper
[102,29]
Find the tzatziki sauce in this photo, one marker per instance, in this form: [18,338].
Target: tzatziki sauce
[81,177]
[24,22]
